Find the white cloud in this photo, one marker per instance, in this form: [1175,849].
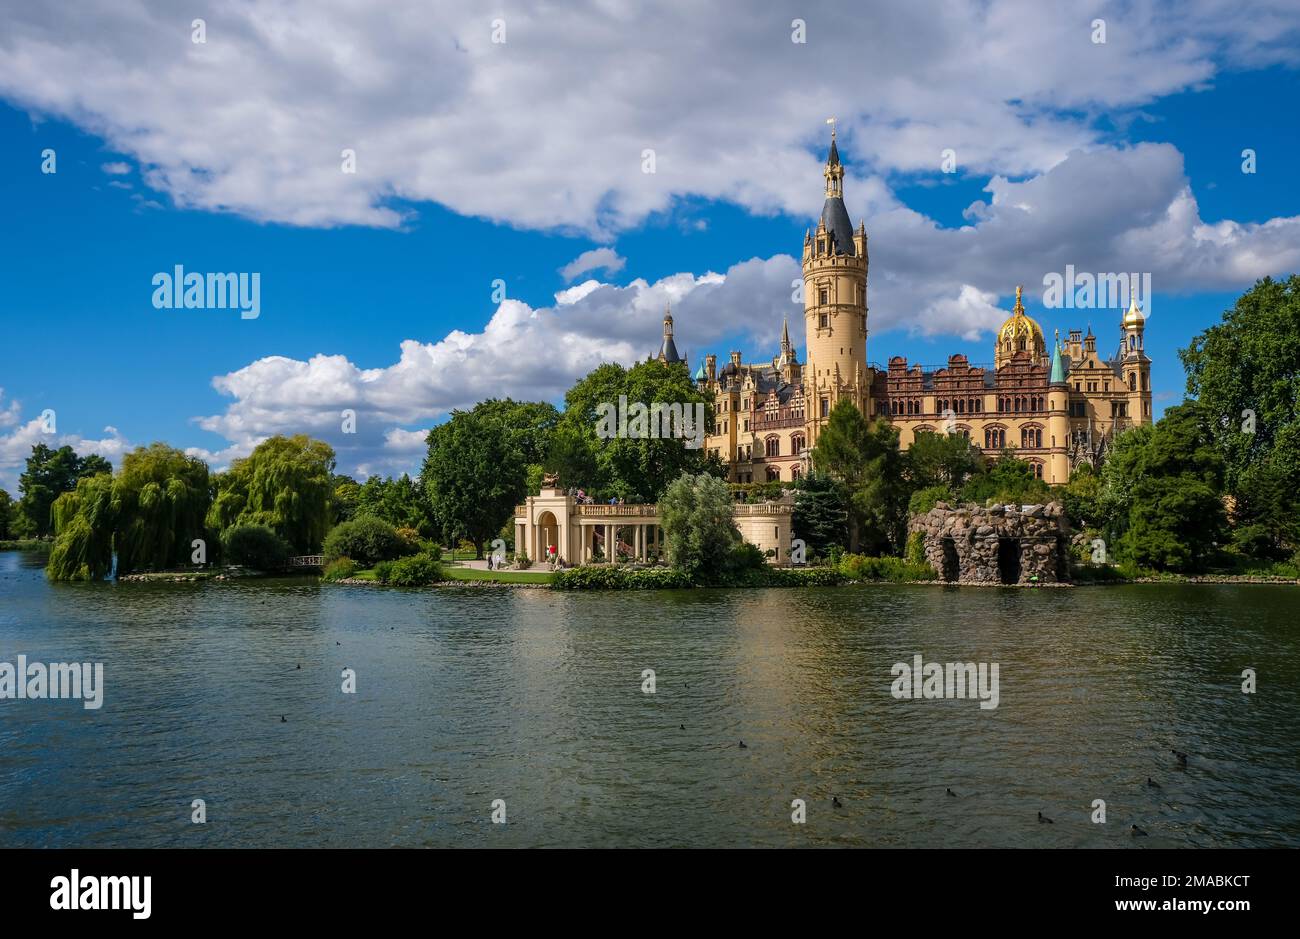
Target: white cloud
[20,436]
[598,259]
[116,169]
[547,130]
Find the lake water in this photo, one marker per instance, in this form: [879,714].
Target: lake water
[466,696]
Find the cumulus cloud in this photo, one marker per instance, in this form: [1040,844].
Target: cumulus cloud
[549,129]
[598,259]
[116,169]
[19,436]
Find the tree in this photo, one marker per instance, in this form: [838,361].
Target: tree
[344,499]
[528,425]
[631,467]
[149,514]
[7,509]
[699,532]
[472,476]
[160,499]
[941,460]
[821,515]
[1245,374]
[1266,513]
[366,540]
[865,457]
[48,475]
[254,546]
[85,520]
[1007,479]
[1081,497]
[1161,490]
[286,484]
[398,502]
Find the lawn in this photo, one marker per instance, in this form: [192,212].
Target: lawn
[517,577]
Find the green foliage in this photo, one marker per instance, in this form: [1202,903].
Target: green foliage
[620,578]
[367,540]
[473,477]
[418,570]
[699,533]
[923,500]
[399,502]
[344,499]
[896,570]
[1266,512]
[86,520]
[50,473]
[1082,498]
[1007,479]
[635,469]
[1251,361]
[942,460]
[1161,492]
[821,515]
[866,459]
[383,571]
[915,553]
[256,547]
[287,484]
[339,569]
[801,577]
[8,508]
[160,498]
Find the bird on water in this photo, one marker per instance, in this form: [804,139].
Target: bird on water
[1044,820]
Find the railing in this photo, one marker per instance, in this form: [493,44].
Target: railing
[307,560]
[637,510]
[763,508]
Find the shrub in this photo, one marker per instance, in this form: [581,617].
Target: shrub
[383,570]
[896,570]
[916,548]
[923,500]
[521,561]
[339,569]
[417,570]
[619,578]
[256,547]
[367,540]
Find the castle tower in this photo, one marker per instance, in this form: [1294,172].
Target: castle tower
[835,305]
[1057,470]
[668,348]
[1019,334]
[1135,367]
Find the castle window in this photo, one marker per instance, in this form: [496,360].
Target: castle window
[823,296]
[979,407]
[1132,381]
[773,474]
[797,443]
[826,407]
[1146,382]
[824,321]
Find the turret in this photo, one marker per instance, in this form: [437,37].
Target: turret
[1135,367]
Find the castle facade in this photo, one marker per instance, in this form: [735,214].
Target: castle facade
[1057,409]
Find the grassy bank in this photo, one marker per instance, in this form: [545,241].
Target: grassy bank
[25,544]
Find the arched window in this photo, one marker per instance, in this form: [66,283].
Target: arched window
[794,473]
[773,474]
[773,446]
[797,444]
[1132,381]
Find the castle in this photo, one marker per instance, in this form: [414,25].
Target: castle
[1056,410]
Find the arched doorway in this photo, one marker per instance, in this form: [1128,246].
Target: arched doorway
[548,533]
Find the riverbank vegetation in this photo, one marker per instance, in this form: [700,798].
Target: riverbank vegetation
[1213,486]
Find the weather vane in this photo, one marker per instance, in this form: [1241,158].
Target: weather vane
[831,121]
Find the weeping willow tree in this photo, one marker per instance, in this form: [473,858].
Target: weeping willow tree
[149,513]
[285,484]
[162,497]
[84,520]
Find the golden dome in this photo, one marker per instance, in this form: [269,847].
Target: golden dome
[1020,328]
[1134,316]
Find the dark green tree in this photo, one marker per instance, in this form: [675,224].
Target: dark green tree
[473,476]
[865,458]
[1245,374]
[941,460]
[286,484]
[1007,479]
[821,515]
[49,474]
[699,532]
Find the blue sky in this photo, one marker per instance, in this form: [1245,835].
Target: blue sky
[1131,171]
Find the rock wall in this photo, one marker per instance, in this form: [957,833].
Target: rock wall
[996,544]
